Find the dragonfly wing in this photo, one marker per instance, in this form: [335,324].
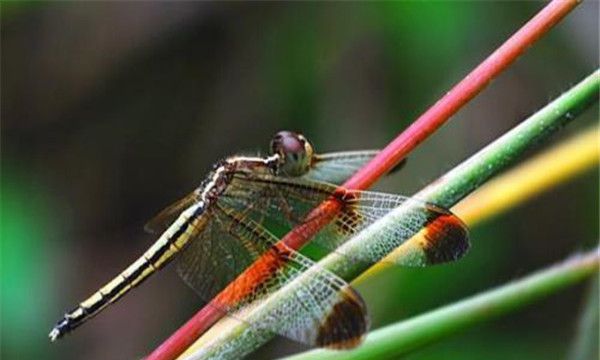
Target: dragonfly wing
[436,234]
[163,219]
[289,202]
[337,167]
[319,309]
[213,259]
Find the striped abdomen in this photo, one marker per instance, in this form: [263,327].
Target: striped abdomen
[190,222]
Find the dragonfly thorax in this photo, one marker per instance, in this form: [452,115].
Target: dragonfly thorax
[217,181]
[223,171]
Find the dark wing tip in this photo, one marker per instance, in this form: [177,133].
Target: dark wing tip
[346,324]
[446,239]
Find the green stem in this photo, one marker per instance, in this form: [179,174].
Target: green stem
[240,339]
[585,345]
[401,338]
[472,173]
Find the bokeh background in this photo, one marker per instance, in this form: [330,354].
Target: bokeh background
[111,110]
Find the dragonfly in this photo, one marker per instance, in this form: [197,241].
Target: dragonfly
[221,230]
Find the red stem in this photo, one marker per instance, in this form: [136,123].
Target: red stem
[391,155]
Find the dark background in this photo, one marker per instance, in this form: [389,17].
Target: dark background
[110,111]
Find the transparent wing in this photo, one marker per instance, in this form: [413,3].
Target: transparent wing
[334,168]
[213,259]
[320,309]
[289,202]
[337,167]
[164,218]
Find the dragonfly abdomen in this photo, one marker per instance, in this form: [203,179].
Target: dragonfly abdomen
[108,294]
[158,255]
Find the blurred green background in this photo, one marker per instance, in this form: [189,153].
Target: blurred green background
[110,111]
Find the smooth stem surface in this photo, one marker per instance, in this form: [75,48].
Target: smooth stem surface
[554,166]
[406,336]
[585,345]
[392,154]
[562,162]
[238,339]
[461,93]
[468,176]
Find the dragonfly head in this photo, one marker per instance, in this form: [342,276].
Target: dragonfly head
[295,153]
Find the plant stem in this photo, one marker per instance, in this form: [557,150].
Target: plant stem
[406,336]
[392,154]
[239,339]
[468,176]
[585,345]
[461,93]
[546,170]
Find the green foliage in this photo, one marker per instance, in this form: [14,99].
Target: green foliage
[26,273]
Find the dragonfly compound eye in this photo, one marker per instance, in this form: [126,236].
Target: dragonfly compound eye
[295,151]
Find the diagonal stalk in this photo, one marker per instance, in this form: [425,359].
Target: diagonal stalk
[392,154]
[561,163]
[585,345]
[401,338]
[575,155]
[239,339]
